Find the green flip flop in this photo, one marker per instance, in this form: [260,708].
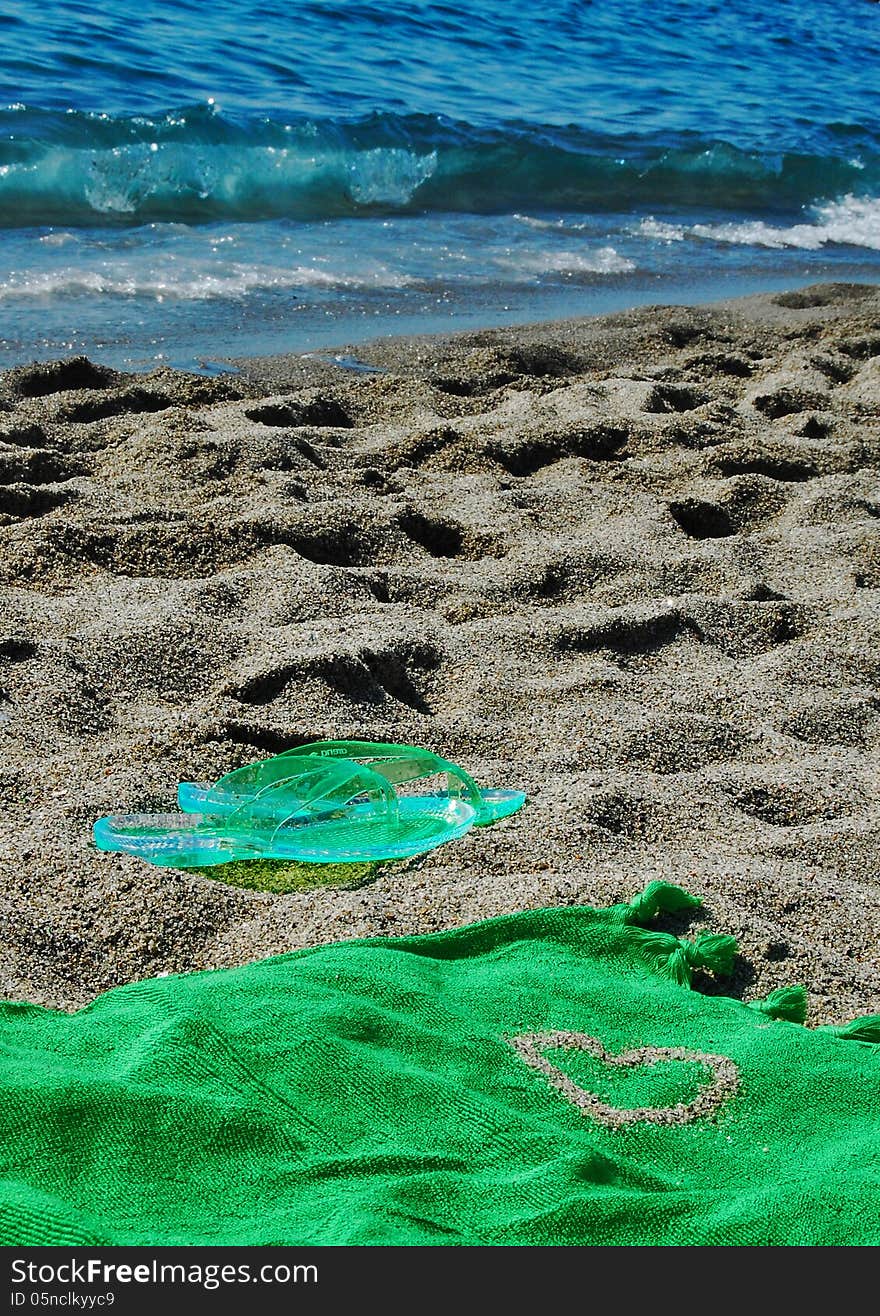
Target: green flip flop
[397,764]
[309,809]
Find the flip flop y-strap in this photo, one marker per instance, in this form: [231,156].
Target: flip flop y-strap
[239,788]
[397,764]
[271,795]
[390,760]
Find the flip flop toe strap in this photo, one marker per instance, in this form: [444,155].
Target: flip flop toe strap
[397,764]
[318,791]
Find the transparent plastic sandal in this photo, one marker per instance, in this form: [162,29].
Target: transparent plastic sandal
[314,810]
[398,764]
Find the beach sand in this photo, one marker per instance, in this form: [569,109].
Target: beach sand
[630,564]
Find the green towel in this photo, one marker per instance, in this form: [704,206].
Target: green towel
[542,1078]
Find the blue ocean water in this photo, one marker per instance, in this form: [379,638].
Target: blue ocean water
[182,182]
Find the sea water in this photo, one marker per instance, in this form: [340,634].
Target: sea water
[185,182]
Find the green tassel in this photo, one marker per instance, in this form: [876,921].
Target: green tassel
[677,958]
[657,898]
[677,966]
[665,953]
[866,1029]
[712,950]
[788,1003]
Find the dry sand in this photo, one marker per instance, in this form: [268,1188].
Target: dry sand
[631,564]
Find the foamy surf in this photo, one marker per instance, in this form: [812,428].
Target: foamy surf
[135,296]
[850,221]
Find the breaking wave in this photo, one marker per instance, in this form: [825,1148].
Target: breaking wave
[195,165]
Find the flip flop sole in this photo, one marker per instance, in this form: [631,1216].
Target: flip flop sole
[344,836]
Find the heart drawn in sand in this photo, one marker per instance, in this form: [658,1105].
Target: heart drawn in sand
[713,1093]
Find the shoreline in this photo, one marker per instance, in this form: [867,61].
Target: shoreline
[630,563]
[581,342]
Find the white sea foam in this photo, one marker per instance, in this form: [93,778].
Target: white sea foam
[600,260]
[180,275]
[851,221]
[660,230]
[189,283]
[559,225]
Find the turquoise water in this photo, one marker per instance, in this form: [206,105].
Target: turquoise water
[182,182]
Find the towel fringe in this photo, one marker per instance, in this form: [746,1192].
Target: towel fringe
[866,1029]
[787,1003]
[657,898]
[677,957]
